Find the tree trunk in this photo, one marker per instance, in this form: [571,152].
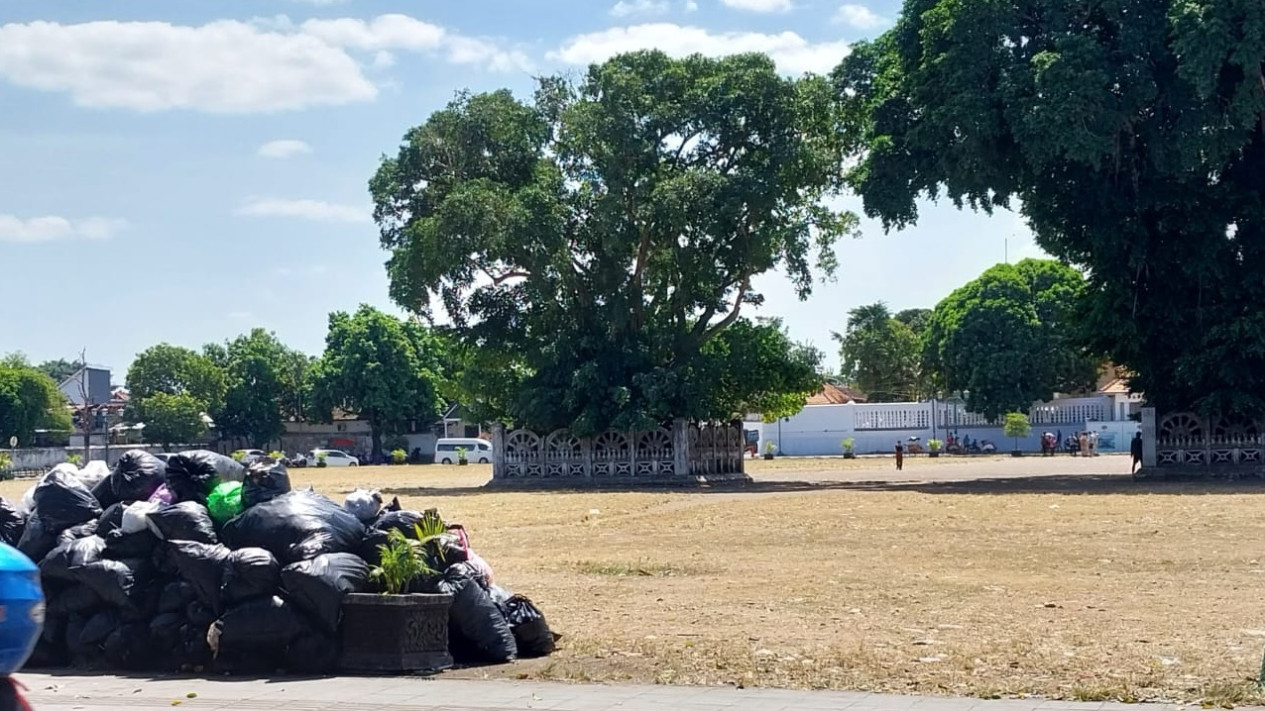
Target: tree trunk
[376,450]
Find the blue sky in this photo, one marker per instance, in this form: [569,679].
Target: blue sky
[183,172]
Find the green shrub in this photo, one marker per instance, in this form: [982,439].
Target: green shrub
[399,456]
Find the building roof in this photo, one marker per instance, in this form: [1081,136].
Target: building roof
[833,394]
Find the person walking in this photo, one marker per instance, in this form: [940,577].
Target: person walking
[900,456]
[1135,451]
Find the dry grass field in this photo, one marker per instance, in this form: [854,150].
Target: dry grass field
[1087,589]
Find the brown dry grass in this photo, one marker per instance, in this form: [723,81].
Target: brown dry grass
[1121,593]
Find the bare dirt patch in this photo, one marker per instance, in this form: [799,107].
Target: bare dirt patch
[1080,588]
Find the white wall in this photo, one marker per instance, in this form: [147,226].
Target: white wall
[819,430]
[47,457]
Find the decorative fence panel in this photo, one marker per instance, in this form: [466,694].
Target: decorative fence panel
[681,452]
[1186,439]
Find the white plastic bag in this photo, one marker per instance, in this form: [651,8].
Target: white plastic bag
[136,516]
[93,472]
[364,505]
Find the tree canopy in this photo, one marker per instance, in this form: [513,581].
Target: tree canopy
[60,369]
[1130,136]
[173,419]
[29,401]
[387,371]
[264,381]
[1009,338]
[590,245]
[881,354]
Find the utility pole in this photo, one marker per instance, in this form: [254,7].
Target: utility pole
[86,417]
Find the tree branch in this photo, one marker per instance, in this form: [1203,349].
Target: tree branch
[704,334]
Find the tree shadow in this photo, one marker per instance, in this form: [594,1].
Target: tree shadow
[1070,484]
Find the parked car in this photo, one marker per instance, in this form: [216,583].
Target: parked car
[249,456]
[333,458]
[477,450]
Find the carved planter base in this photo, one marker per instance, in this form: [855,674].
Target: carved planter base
[934,454]
[395,633]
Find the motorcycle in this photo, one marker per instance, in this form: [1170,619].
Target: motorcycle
[21,622]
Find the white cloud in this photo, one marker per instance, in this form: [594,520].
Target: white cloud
[404,33]
[691,6]
[52,228]
[624,8]
[859,16]
[759,5]
[318,210]
[793,53]
[228,66]
[284,148]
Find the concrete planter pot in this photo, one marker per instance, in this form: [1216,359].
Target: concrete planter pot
[1016,453]
[768,457]
[849,455]
[934,454]
[395,634]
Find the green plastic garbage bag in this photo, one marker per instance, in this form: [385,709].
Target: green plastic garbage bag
[225,501]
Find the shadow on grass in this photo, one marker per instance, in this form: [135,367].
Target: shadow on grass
[1072,484]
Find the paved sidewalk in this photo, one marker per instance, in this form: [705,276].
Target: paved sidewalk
[102,693]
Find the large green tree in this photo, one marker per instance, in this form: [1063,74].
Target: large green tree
[173,419]
[382,369]
[880,355]
[60,369]
[1009,338]
[264,380]
[1128,133]
[173,371]
[29,401]
[596,239]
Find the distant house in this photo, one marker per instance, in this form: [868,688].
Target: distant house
[836,394]
[90,381]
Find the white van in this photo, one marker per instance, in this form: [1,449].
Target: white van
[477,450]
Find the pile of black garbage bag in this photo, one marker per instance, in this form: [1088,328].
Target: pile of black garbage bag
[138,574]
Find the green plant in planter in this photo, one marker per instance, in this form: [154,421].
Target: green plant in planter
[934,445]
[405,559]
[849,447]
[399,456]
[6,463]
[320,459]
[277,456]
[75,459]
[461,456]
[1015,426]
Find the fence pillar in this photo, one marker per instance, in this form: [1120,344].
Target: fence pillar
[681,454]
[498,450]
[1148,437]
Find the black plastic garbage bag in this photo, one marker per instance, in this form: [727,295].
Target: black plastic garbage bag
[295,526]
[402,521]
[185,521]
[62,501]
[98,627]
[318,586]
[175,597]
[64,562]
[202,566]
[531,632]
[111,519]
[78,599]
[165,634]
[120,545]
[128,647]
[312,653]
[371,546]
[136,476]
[249,573]
[200,615]
[38,538]
[72,642]
[73,533]
[266,624]
[12,523]
[264,482]
[196,652]
[121,583]
[477,631]
[192,475]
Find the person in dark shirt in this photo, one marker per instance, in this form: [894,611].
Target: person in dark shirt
[1135,449]
[900,456]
